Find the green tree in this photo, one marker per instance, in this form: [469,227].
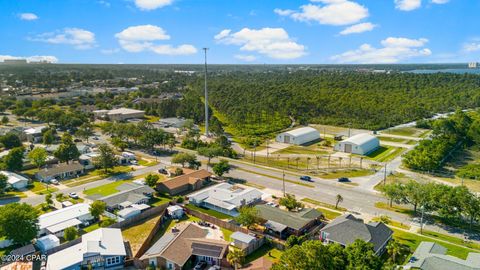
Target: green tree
[48,200]
[290,202]
[38,156]
[474,132]
[67,151]
[394,192]
[294,240]
[396,251]
[5,120]
[10,140]
[18,222]
[183,158]
[360,255]
[48,137]
[13,161]
[151,180]
[70,233]
[3,183]
[308,256]
[119,144]
[210,152]
[85,131]
[97,208]
[221,168]
[248,216]
[106,158]
[236,257]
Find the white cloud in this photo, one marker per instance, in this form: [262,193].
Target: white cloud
[110,51]
[28,16]
[408,5]
[152,4]
[34,58]
[272,42]
[330,12]
[79,38]
[104,3]
[246,58]
[471,47]
[358,28]
[394,50]
[144,37]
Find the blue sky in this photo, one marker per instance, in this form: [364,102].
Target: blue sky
[241,31]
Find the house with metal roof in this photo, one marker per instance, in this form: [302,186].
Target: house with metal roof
[128,195]
[100,249]
[432,256]
[345,229]
[184,183]
[284,223]
[120,114]
[57,221]
[185,245]
[298,136]
[248,243]
[226,198]
[360,144]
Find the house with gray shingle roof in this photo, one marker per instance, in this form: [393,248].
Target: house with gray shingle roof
[284,223]
[432,256]
[128,195]
[345,229]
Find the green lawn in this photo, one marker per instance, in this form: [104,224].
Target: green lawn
[96,175]
[159,200]
[147,163]
[264,251]
[322,204]
[396,140]
[277,178]
[394,208]
[105,190]
[393,223]
[92,227]
[41,188]
[313,149]
[210,212]
[393,178]
[226,234]
[330,215]
[413,240]
[406,131]
[385,153]
[452,239]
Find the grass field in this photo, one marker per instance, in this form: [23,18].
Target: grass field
[210,212]
[314,149]
[325,205]
[407,131]
[266,251]
[137,234]
[278,178]
[396,140]
[96,175]
[394,208]
[105,190]
[385,153]
[393,178]
[345,173]
[413,240]
[452,239]
[41,188]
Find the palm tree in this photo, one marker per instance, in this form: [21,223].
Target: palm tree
[308,161]
[318,162]
[236,257]
[339,200]
[395,250]
[297,159]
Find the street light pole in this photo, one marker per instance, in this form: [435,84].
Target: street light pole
[421,220]
[385,175]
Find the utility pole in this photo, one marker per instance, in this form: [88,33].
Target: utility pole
[206,95]
[385,175]
[421,220]
[283,178]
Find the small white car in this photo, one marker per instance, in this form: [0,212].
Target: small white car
[73,195]
[54,181]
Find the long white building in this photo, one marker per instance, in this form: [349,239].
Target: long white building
[298,136]
[361,144]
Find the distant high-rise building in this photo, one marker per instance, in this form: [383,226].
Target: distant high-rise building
[473,65]
[15,61]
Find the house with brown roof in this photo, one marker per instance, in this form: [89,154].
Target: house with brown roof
[184,183]
[183,247]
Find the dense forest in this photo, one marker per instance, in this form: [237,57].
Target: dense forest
[253,102]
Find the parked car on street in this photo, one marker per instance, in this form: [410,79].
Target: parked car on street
[162,171]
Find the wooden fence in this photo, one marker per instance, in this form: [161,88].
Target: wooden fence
[220,223]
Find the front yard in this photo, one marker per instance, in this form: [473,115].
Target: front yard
[107,189]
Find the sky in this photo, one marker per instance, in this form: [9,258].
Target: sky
[241,31]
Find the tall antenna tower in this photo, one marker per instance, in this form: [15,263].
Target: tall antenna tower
[206,95]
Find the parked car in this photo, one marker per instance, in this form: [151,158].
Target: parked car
[162,171]
[343,179]
[134,162]
[214,267]
[54,181]
[272,204]
[306,178]
[200,265]
[73,195]
[96,138]
[77,140]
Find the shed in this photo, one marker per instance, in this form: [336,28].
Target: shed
[16,181]
[298,136]
[175,211]
[47,242]
[128,212]
[361,144]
